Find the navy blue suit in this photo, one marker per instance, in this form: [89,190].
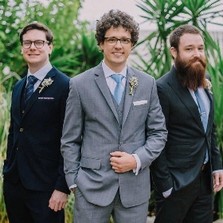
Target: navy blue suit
[33,152]
[181,164]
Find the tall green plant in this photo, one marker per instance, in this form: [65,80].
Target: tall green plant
[5,98]
[215,68]
[166,16]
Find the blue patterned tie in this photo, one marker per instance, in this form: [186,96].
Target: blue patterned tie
[30,87]
[201,108]
[204,117]
[119,88]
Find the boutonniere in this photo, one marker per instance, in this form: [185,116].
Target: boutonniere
[45,83]
[208,85]
[133,83]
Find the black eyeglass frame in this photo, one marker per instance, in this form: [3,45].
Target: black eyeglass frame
[39,44]
[114,40]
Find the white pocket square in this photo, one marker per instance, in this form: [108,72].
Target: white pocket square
[142,102]
[46,98]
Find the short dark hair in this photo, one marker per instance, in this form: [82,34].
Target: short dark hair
[38,26]
[180,31]
[116,18]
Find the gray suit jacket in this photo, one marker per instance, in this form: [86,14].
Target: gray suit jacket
[92,131]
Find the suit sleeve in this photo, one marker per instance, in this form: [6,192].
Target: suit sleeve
[72,134]
[61,184]
[215,153]
[160,171]
[156,132]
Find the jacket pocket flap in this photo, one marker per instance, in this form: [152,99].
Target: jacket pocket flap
[90,163]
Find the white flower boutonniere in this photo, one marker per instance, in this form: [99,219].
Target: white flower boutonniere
[208,85]
[133,83]
[45,83]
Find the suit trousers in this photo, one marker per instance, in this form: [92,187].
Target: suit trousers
[26,206]
[191,204]
[85,212]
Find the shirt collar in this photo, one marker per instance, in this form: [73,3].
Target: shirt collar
[42,72]
[108,71]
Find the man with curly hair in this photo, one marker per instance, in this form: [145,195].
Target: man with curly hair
[114,128]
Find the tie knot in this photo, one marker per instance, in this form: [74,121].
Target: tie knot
[117,78]
[32,79]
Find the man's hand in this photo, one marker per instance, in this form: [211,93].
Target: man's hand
[58,200]
[217,180]
[122,162]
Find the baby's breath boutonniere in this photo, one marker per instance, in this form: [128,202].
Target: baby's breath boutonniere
[133,83]
[208,85]
[46,83]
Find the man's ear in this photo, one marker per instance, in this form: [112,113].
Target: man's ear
[173,52]
[101,47]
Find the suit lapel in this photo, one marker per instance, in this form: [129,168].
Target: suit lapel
[183,93]
[128,98]
[103,87]
[211,112]
[19,96]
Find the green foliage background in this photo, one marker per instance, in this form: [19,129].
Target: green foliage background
[75,50]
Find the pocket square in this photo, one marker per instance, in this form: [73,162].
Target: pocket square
[142,102]
[46,98]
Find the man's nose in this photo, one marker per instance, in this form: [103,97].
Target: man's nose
[118,43]
[32,46]
[197,53]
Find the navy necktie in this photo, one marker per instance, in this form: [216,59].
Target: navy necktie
[30,87]
[119,88]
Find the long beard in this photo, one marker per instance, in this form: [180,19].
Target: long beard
[191,73]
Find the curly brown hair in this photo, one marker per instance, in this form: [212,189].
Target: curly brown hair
[116,18]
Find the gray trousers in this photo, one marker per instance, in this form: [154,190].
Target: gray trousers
[85,212]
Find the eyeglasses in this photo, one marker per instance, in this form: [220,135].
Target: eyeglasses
[37,43]
[114,40]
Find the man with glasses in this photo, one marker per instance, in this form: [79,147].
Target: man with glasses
[35,190]
[113,129]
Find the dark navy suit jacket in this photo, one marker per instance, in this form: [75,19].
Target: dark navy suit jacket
[183,156]
[33,150]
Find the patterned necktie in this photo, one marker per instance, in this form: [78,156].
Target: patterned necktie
[30,87]
[204,118]
[201,108]
[119,88]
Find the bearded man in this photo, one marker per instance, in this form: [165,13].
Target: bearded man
[189,168]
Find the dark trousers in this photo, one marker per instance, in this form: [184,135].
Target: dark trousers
[191,204]
[26,206]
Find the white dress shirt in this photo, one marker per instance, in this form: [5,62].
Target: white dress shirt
[40,74]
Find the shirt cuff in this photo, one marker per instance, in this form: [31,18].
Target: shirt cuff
[167,193]
[73,187]
[138,164]
[216,171]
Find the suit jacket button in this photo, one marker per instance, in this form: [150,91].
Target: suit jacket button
[21,129]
